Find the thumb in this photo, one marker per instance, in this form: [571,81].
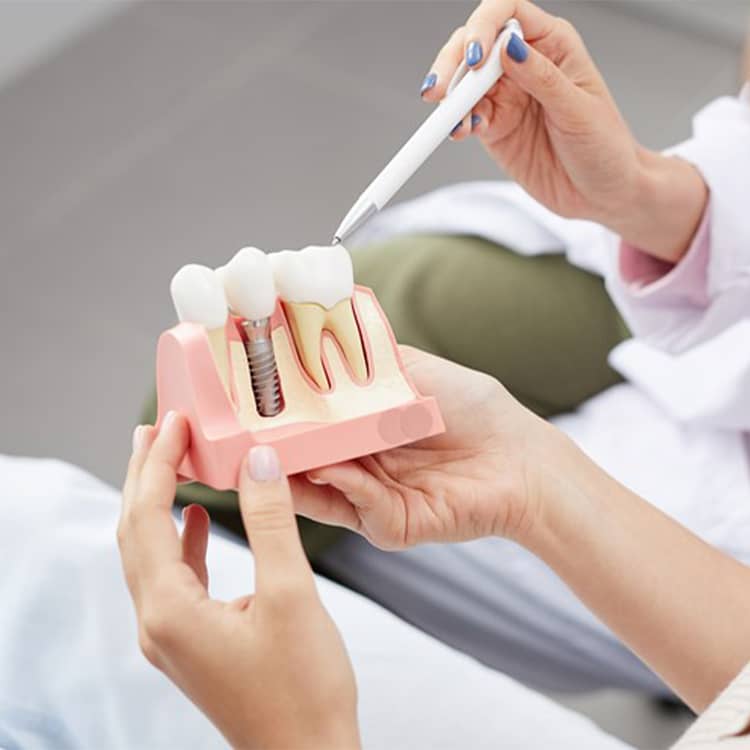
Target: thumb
[539,77]
[269,520]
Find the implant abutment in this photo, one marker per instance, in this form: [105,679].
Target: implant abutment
[264,372]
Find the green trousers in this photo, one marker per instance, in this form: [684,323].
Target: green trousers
[539,325]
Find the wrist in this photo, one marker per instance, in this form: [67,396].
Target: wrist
[663,206]
[563,488]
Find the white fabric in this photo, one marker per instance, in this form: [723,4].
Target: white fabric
[707,346]
[72,677]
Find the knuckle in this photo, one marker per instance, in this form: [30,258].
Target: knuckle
[565,27]
[156,627]
[289,590]
[271,517]
[548,77]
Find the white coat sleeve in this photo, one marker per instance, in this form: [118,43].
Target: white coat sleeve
[691,323]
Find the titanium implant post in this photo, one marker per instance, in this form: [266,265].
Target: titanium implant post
[264,373]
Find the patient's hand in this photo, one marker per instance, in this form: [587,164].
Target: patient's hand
[553,126]
[477,479]
[269,670]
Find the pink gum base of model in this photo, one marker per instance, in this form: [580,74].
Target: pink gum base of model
[188,382]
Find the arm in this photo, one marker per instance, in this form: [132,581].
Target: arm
[677,602]
[681,605]
[668,202]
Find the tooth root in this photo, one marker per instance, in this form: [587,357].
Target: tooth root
[306,321]
[218,342]
[341,323]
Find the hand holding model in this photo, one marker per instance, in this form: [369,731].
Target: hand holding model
[474,480]
[553,126]
[269,670]
[500,470]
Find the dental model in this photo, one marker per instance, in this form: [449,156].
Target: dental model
[306,363]
[249,287]
[198,297]
[316,286]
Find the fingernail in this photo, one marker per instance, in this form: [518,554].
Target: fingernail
[137,438]
[169,419]
[473,53]
[314,479]
[475,120]
[429,82]
[184,513]
[263,464]
[457,128]
[517,49]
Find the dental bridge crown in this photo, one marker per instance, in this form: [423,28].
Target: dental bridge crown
[283,348]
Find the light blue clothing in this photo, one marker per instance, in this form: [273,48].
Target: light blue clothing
[72,677]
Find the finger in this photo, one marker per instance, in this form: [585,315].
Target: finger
[486,22]
[323,503]
[195,540]
[482,29]
[491,15]
[149,530]
[448,59]
[542,79]
[462,130]
[362,489]
[268,515]
[481,116]
[366,486]
[143,437]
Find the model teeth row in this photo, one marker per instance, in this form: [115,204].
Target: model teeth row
[315,285]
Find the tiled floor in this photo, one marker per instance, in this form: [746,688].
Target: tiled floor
[178,132]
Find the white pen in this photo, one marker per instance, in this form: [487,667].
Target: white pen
[466,88]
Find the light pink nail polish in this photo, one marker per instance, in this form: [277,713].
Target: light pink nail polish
[263,464]
[169,418]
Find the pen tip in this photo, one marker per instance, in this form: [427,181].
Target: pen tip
[336,240]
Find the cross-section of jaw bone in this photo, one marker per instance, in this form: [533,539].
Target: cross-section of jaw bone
[316,286]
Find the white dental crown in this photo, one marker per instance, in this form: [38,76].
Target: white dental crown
[198,296]
[249,284]
[320,274]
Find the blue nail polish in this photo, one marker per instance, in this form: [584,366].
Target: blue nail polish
[517,49]
[429,81]
[473,53]
[456,128]
[475,120]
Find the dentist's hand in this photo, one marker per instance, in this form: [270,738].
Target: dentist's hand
[269,670]
[553,126]
[478,479]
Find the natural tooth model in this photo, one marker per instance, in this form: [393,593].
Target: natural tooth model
[198,297]
[250,291]
[316,286]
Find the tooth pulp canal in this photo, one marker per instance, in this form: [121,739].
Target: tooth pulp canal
[198,297]
[316,285]
[249,285]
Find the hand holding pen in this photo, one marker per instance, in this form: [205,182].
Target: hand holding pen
[552,125]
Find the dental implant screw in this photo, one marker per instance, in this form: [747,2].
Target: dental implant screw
[264,373]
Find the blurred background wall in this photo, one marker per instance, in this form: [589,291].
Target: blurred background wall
[139,136]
